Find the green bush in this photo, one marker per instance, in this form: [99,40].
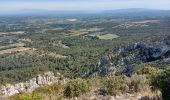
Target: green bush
[148,70]
[138,83]
[51,90]
[76,87]
[114,86]
[123,84]
[162,81]
[26,96]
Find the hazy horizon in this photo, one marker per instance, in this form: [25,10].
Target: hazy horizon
[86,5]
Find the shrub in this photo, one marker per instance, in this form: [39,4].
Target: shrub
[114,86]
[148,70]
[76,87]
[26,96]
[48,91]
[119,84]
[138,83]
[162,81]
[51,90]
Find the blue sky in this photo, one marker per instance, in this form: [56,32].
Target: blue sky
[83,4]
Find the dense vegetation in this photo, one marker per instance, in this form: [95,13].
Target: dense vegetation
[74,48]
[162,81]
[77,87]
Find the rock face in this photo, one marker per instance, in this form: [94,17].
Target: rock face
[123,59]
[167,61]
[47,78]
[151,53]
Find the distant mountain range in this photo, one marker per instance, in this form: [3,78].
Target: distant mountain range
[44,12]
[132,11]
[138,12]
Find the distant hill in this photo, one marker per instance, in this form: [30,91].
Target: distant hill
[138,12]
[44,12]
[129,10]
[119,12]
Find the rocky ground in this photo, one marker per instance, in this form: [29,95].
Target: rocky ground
[96,95]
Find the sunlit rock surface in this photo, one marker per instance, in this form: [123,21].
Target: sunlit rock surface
[47,78]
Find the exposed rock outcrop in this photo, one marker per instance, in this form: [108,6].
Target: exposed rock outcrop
[47,78]
[123,59]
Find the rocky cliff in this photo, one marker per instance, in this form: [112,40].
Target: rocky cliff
[123,59]
[47,78]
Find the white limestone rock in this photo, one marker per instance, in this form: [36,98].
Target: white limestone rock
[47,78]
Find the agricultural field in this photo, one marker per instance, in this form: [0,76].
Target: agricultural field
[81,42]
[12,33]
[108,36]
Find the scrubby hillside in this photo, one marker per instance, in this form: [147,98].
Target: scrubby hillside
[138,71]
[98,56]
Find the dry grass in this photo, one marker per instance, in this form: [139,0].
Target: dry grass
[12,33]
[14,50]
[146,21]
[84,31]
[51,54]
[107,36]
[143,23]
[13,45]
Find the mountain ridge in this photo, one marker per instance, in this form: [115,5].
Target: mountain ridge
[67,12]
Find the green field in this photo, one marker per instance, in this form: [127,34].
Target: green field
[108,36]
